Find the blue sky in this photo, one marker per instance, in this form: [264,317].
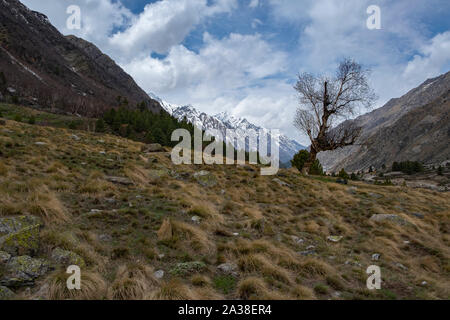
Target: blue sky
[242,56]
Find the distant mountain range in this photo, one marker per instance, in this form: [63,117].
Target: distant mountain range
[223,121]
[414,127]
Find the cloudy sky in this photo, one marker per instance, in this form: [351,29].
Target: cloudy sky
[242,56]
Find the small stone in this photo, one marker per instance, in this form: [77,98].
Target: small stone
[310,247]
[187,268]
[418,215]
[236,234]
[95,211]
[159,274]
[75,137]
[105,237]
[423,283]
[335,238]
[196,219]
[228,268]
[401,266]
[161,256]
[307,252]
[120,180]
[297,240]
[40,143]
[376,257]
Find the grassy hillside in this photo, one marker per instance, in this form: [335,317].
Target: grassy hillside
[125,214]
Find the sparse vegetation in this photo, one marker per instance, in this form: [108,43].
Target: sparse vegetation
[275,237]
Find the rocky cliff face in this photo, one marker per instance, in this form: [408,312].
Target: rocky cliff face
[414,127]
[44,67]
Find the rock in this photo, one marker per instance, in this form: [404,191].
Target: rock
[196,219]
[353,190]
[159,274]
[236,234]
[418,215]
[13,224]
[11,90]
[388,217]
[22,271]
[105,237]
[281,183]
[187,268]
[4,257]
[205,179]
[75,137]
[297,240]
[335,238]
[67,258]
[229,269]
[401,266]
[423,283]
[376,257]
[120,180]
[375,195]
[154,147]
[22,242]
[342,181]
[307,252]
[39,143]
[95,211]
[6,294]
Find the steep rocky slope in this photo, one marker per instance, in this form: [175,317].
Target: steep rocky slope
[414,127]
[142,228]
[43,67]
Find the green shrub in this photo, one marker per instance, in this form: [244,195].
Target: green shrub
[301,158]
[18,118]
[32,120]
[408,167]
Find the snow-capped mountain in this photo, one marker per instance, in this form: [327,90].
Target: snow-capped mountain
[224,121]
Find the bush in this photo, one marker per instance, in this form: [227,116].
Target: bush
[354,177]
[100,126]
[32,120]
[301,158]
[440,171]
[18,118]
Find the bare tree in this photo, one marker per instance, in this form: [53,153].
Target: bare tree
[325,100]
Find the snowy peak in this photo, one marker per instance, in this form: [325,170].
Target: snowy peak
[224,121]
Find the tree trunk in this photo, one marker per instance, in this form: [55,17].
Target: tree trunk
[309,163]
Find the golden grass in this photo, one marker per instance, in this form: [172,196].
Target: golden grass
[132,282]
[93,287]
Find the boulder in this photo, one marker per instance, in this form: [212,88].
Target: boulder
[159,274]
[6,294]
[335,238]
[13,224]
[205,179]
[154,147]
[23,271]
[23,242]
[67,258]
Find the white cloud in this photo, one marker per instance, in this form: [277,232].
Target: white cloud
[254,4]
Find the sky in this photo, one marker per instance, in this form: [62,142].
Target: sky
[243,56]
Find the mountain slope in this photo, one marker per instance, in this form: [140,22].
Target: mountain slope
[43,67]
[224,121]
[414,127]
[144,228]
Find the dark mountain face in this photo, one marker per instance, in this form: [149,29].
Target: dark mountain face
[41,66]
[415,127]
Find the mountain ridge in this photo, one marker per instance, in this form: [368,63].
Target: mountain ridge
[376,147]
[225,121]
